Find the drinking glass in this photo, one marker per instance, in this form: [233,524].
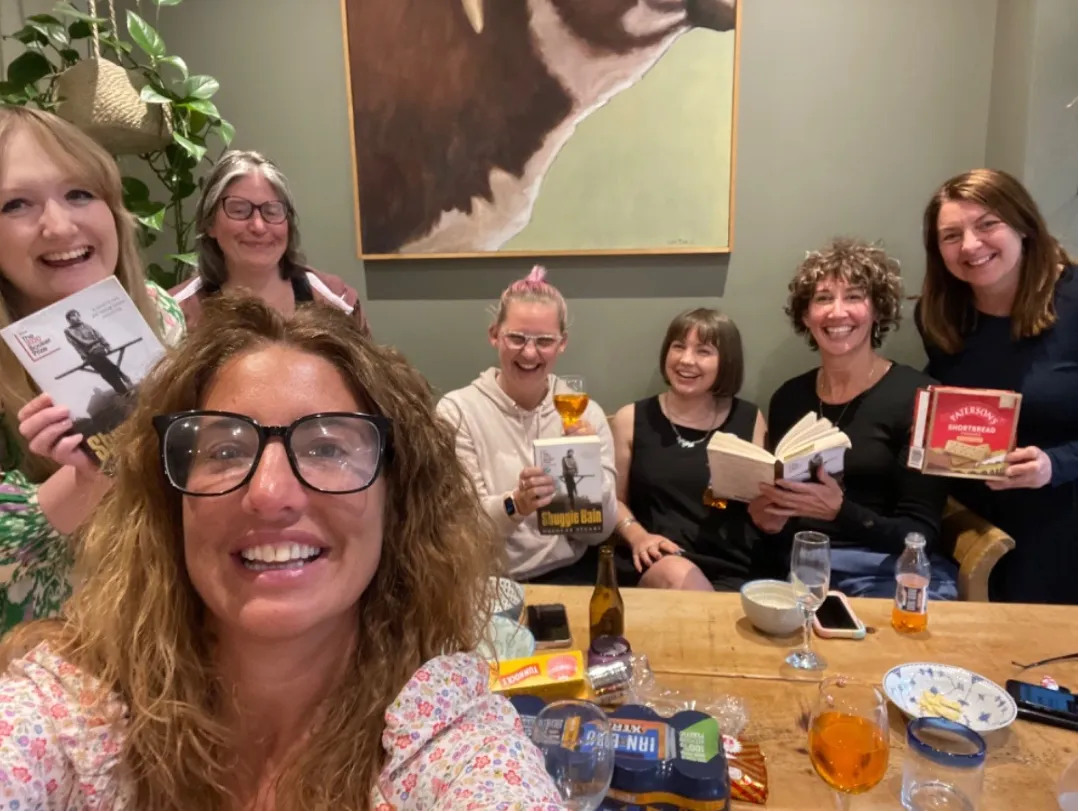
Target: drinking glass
[577,742]
[1067,792]
[944,766]
[570,398]
[810,574]
[848,737]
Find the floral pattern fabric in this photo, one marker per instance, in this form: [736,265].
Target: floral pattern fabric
[35,559]
[452,744]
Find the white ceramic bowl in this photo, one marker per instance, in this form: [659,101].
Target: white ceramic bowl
[508,599]
[771,606]
[505,639]
[985,705]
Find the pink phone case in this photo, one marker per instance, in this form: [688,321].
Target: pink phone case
[840,633]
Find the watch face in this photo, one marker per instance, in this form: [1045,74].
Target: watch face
[510,507]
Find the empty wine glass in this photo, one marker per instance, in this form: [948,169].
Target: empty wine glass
[810,574]
[577,741]
[570,398]
[849,743]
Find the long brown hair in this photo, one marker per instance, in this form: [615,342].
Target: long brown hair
[946,309]
[93,167]
[139,626]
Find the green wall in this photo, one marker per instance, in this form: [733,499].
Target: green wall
[851,112]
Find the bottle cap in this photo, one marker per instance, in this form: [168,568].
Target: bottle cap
[915,539]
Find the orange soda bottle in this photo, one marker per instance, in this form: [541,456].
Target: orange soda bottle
[912,576]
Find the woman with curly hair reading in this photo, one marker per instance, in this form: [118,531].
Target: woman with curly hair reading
[280,590]
[845,299]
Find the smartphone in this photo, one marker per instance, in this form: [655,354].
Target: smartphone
[1057,708]
[835,619]
[549,625]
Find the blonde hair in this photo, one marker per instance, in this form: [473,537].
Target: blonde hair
[139,625]
[81,157]
[946,307]
[534,288]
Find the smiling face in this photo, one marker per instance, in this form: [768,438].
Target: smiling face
[56,236]
[978,247]
[839,317]
[692,366]
[325,548]
[528,341]
[252,244]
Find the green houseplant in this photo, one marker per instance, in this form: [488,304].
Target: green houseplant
[58,41]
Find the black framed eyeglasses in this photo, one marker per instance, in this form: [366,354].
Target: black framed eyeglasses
[240,208]
[211,453]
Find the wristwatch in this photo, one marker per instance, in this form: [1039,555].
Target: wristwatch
[510,505]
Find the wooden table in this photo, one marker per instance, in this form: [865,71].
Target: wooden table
[704,644]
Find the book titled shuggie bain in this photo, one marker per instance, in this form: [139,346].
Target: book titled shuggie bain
[575,464]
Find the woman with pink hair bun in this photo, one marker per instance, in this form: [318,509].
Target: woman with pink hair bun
[503,411]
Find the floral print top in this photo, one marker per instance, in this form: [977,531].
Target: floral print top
[452,744]
[35,559]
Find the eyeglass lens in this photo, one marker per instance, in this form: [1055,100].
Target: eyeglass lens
[240,208]
[213,454]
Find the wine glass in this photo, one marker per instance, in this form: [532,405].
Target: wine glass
[577,742]
[848,737]
[810,573]
[1067,791]
[570,399]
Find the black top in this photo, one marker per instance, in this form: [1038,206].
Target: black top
[885,500]
[1044,522]
[666,492]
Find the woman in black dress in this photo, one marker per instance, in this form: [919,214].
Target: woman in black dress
[673,538]
[999,309]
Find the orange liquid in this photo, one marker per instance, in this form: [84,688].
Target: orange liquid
[571,407]
[904,620]
[848,752]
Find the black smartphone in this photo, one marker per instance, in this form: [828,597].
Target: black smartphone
[549,625]
[1057,708]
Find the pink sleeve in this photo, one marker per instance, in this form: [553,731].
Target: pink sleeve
[34,771]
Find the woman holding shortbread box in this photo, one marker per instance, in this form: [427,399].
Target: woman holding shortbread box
[845,299]
[504,411]
[999,310]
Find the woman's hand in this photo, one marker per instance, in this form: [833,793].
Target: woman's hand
[766,516]
[535,489]
[649,549]
[580,428]
[1026,468]
[44,424]
[820,500]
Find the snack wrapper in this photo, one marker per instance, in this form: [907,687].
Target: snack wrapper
[747,769]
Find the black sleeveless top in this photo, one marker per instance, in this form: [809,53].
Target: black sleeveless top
[666,490]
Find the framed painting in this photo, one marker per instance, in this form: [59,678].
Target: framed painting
[542,127]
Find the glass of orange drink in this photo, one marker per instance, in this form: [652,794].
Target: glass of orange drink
[570,399]
[849,737]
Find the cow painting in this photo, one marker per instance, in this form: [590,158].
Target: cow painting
[461,106]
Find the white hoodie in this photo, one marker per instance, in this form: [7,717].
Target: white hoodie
[494,441]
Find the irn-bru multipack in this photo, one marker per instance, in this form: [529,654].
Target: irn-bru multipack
[681,763]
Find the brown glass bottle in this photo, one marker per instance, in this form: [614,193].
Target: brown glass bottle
[606,612]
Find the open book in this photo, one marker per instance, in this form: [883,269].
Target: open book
[739,467]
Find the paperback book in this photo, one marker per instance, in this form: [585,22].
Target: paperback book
[739,467]
[88,351]
[575,464]
[962,432]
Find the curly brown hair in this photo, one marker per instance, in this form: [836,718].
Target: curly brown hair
[139,626]
[858,264]
[946,306]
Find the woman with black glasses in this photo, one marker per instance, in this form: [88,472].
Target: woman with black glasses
[248,237]
[282,592]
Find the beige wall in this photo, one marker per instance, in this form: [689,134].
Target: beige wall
[851,113]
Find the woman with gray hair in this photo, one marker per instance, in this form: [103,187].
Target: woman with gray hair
[248,237]
[844,299]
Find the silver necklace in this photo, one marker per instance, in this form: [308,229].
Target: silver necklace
[819,394]
[682,441]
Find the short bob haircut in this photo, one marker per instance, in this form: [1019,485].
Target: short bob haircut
[946,307]
[718,330]
[140,628]
[858,264]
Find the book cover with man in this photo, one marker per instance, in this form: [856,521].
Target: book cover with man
[88,351]
[575,464]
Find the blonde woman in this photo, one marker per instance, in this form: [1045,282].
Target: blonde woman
[281,590]
[62,228]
